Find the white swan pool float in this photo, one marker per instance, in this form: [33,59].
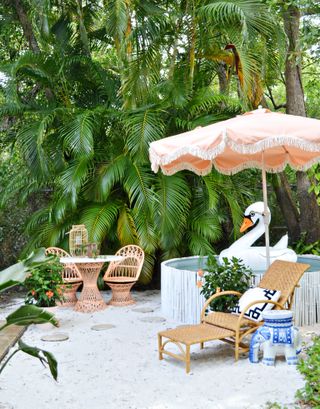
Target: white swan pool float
[254,256]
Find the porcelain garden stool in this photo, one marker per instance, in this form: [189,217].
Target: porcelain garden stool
[276,335]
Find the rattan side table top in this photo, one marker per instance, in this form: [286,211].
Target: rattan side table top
[194,334]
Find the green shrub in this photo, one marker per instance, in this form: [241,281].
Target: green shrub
[230,275]
[44,284]
[310,369]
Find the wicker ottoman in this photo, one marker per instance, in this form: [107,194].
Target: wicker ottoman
[189,335]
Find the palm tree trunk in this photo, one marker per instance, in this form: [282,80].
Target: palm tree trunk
[309,209]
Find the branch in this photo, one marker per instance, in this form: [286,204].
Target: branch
[270,96]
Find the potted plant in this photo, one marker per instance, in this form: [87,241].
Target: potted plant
[230,275]
[44,284]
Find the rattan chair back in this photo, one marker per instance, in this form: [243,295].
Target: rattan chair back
[283,276]
[129,267]
[70,272]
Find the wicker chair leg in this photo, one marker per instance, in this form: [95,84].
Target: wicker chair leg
[121,294]
[69,294]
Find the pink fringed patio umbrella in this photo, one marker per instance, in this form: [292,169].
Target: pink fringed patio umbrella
[258,139]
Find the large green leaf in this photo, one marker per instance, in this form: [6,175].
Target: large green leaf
[29,314]
[44,356]
[16,274]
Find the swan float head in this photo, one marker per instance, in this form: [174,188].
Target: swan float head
[255,256]
[254,214]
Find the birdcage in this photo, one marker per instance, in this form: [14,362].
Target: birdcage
[78,239]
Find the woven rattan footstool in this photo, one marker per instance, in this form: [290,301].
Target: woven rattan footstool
[189,335]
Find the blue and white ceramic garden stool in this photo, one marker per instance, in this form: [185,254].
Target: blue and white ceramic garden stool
[276,335]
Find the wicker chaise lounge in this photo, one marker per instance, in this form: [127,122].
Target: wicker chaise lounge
[282,276]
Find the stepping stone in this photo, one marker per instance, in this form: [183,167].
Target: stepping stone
[152,319]
[143,309]
[57,337]
[102,327]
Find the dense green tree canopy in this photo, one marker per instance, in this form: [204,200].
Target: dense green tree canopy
[88,85]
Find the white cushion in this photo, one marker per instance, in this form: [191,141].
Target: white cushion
[254,313]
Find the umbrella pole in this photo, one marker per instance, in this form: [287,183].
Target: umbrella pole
[266,211]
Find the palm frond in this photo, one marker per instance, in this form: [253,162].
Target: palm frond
[143,127]
[126,229]
[251,15]
[100,218]
[78,134]
[172,209]
[107,176]
[73,177]
[147,269]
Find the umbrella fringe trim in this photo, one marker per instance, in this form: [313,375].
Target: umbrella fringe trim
[273,142]
[158,161]
[236,169]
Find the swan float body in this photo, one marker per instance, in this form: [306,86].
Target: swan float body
[255,257]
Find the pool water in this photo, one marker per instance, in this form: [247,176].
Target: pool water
[196,263]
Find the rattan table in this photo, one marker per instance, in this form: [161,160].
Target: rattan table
[189,335]
[90,299]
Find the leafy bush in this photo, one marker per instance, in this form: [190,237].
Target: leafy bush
[231,275]
[44,284]
[310,369]
[301,247]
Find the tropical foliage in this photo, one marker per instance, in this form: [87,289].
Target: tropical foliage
[88,85]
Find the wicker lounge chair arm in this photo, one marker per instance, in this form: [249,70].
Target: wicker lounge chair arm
[216,295]
[257,302]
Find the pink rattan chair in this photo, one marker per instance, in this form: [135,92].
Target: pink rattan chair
[71,277]
[122,275]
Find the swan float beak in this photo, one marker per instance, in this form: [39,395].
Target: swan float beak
[247,222]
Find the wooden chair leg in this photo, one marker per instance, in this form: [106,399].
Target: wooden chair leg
[160,347]
[187,358]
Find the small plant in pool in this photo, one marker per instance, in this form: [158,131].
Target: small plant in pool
[230,275]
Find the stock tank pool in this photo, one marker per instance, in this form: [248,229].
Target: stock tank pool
[181,299]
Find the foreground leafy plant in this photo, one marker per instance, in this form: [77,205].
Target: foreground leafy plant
[28,314]
[231,275]
[310,369]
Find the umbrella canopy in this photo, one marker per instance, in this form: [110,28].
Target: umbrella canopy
[258,139]
[238,143]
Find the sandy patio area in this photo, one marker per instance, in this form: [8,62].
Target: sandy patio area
[118,368]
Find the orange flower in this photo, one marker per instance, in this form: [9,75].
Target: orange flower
[200,273]
[33,293]
[49,294]
[199,283]
[59,291]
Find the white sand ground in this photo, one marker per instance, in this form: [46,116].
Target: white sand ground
[119,368]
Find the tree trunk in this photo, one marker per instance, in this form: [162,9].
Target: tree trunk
[223,79]
[288,208]
[309,209]
[26,26]
[29,35]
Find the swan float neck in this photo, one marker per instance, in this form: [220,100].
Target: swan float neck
[255,257]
